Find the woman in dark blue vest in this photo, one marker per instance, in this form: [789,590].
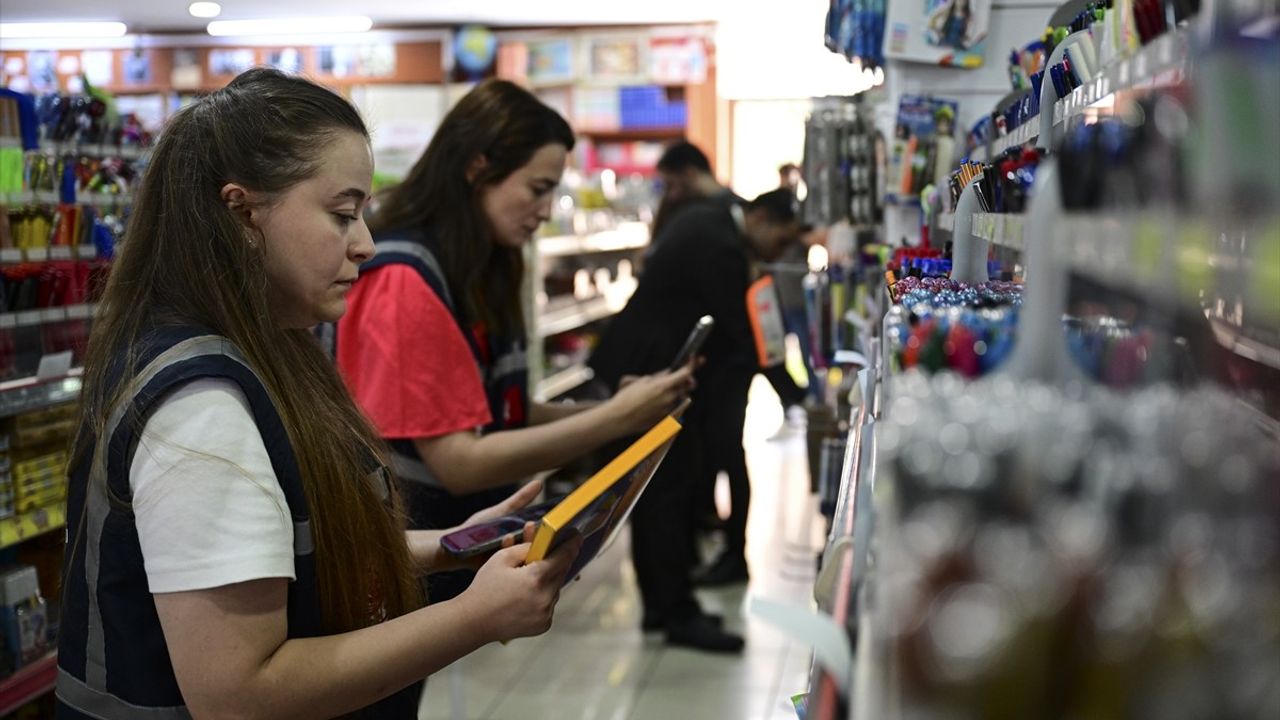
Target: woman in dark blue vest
[434,345]
[235,547]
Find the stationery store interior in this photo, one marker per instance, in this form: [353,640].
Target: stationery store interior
[818,359]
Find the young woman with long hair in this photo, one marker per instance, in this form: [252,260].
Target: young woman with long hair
[434,347]
[235,546]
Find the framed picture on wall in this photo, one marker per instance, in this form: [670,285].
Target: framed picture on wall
[951,33]
[551,62]
[616,59]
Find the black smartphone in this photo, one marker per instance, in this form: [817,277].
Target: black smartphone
[488,537]
[701,330]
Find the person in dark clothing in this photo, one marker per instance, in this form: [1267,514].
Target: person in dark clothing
[685,174]
[703,266]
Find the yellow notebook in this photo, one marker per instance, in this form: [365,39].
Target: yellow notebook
[598,508]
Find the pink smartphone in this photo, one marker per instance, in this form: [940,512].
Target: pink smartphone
[490,536]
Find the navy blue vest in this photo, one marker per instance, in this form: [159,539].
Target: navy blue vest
[113,661]
[502,361]
[503,366]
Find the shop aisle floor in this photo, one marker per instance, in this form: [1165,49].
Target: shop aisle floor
[595,664]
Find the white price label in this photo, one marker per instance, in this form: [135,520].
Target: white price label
[47,196]
[49,315]
[8,320]
[1122,77]
[54,366]
[86,252]
[39,254]
[11,255]
[79,312]
[27,318]
[1140,67]
[60,252]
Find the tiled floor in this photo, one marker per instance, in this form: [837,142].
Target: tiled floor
[596,665]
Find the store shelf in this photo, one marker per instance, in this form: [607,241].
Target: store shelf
[627,236]
[575,316]
[20,528]
[28,394]
[51,197]
[1002,229]
[29,683]
[46,316]
[1165,56]
[13,256]
[97,150]
[562,382]
[634,134]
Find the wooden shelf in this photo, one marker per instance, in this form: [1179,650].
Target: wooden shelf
[29,683]
[633,134]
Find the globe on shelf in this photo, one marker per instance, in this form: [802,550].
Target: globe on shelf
[475,48]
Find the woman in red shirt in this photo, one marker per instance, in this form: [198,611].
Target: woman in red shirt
[433,345]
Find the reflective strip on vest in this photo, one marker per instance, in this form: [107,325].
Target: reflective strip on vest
[76,694]
[419,251]
[91,696]
[515,361]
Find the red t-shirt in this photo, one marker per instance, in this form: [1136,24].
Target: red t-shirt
[404,359]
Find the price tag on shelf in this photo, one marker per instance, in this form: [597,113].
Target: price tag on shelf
[48,197]
[50,315]
[54,365]
[8,321]
[37,254]
[1140,67]
[1122,75]
[11,255]
[80,312]
[28,318]
[60,252]
[86,252]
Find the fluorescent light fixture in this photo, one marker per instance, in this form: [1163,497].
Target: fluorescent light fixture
[14,31]
[204,9]
[291,26]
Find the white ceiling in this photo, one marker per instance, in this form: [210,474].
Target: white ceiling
[143,16]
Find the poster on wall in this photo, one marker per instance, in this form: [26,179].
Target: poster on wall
[677,61]
[336,60]
[186,73]
[225,62]
[41,69]
[951,33]
[550,62]
[137,67]
[285,60]
[617,60]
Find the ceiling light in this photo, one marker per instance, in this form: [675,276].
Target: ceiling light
[204,9]
[291,26]
[13,31]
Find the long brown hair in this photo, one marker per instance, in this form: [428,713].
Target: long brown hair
[186,259]
[505,125]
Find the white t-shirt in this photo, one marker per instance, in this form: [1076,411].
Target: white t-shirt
[207,504]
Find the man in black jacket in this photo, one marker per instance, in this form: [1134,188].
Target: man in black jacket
[702,266]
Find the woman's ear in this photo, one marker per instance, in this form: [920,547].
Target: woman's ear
[236,198]
[477,166]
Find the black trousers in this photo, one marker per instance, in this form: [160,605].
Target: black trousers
[662,533]
[724,405]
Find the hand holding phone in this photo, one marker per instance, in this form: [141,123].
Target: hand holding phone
[487,537]
[701,331]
